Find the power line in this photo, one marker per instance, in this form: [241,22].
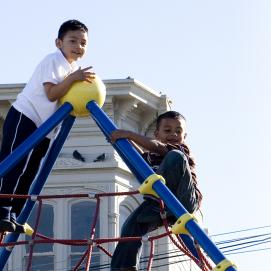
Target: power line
[248,251]
[243,230]
[242,238]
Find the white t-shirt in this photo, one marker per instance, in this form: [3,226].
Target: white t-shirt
[33,101]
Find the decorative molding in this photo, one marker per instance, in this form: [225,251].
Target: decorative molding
[147,121]
[124,107]
[79,188]
[71,163]
[4,108]
[113,218]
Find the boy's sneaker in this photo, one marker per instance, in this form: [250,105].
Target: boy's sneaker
[22,228]
[7,226]
[19,228]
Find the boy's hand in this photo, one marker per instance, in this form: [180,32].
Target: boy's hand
[83,75]
[117,134]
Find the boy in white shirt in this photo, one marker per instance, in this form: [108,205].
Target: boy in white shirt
[50,81]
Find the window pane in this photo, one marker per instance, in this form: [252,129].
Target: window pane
[41,263]
[45,227]
[95,261]
[82,215]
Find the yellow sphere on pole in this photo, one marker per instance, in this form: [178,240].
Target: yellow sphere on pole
[82,92]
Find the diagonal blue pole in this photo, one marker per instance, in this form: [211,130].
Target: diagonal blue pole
[42,175]
[141,170]
[7,164]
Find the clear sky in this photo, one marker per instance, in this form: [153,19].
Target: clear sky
[213,60]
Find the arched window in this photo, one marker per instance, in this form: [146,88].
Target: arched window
[82,216]
[43,256]
[124,213]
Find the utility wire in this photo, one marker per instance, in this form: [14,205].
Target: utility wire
[243,230]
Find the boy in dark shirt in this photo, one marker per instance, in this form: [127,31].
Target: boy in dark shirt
[169,156]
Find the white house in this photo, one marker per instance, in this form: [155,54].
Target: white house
[131,105]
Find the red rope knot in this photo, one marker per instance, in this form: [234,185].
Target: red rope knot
[145,238]
[90,242]
[91,195]
[163,215]
[34,197]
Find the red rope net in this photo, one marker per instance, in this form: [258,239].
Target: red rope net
[85,260]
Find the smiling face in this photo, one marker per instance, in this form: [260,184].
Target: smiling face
[171,130]
[73,45]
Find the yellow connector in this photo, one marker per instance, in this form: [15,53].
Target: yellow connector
[179,226]
[28,230]
[146,186]
[223,265]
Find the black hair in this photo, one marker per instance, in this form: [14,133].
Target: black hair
[168,115]
[71,25]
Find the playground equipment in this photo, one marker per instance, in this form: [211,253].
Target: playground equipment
[81,100]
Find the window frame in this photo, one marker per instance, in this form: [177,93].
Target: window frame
[71,203]
[52,253]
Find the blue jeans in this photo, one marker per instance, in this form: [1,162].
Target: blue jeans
[175,169]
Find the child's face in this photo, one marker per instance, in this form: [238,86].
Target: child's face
[73,45]
[171,131]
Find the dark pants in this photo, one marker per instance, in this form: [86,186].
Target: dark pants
[175,169]
[16,129]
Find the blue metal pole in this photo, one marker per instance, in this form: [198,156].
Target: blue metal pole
[142,170]
[7,164]
[39,183]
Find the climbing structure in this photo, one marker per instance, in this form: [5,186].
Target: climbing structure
[90,241]
[150,182]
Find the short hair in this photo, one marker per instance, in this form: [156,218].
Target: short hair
[71,25]
[168,115]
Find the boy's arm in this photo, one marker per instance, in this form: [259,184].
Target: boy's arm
[143,141]
[56,91]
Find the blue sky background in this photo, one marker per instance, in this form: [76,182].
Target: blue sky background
[211,58]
